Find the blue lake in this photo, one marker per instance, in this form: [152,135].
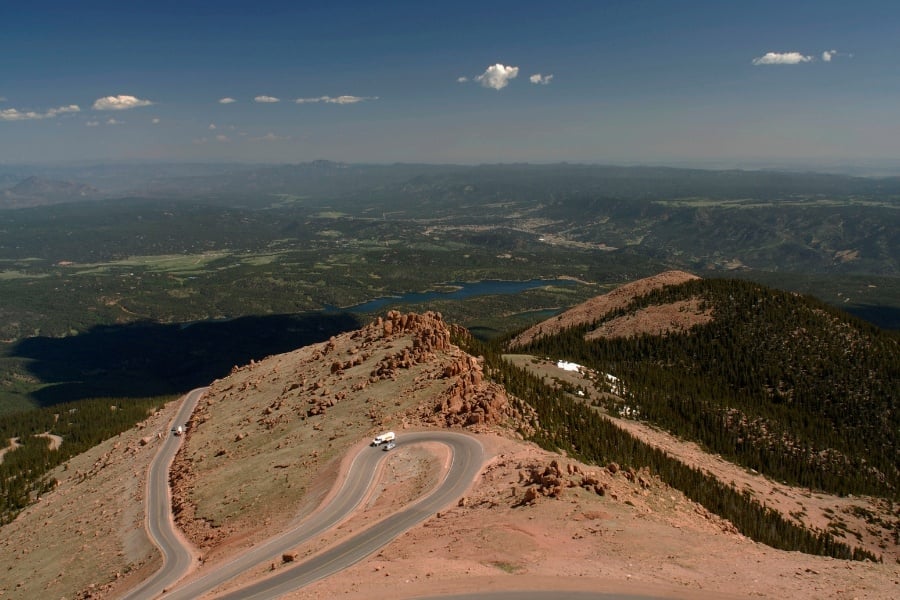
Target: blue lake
[488,287]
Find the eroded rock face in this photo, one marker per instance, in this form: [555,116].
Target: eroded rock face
[431,335]
[470,400]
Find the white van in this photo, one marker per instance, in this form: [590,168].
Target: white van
[383,438]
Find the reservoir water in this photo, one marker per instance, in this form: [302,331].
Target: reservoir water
[462,290]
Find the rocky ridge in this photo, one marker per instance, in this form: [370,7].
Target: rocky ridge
[292,414]
[654,320]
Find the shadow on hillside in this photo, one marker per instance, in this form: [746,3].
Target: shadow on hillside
[149,359]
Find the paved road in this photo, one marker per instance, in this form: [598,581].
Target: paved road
[542,595]
[177,557]
[468,457]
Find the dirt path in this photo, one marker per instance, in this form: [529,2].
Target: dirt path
[13,444]
[55,440]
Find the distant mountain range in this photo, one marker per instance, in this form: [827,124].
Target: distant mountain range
[322,179]
[37,191]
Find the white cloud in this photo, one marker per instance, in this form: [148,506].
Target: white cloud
[212,127]
[119,103]
[336,99]
[62,110]
[266,99]
[782,58]
[2,98]
[92,124]
[462,79]
[155,120]
[828,55]
[539,79]
[14,114]
[112,121]
[271,137]
[222,138]
[497,76]
[227,100]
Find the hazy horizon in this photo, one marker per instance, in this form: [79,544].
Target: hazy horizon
[700,84]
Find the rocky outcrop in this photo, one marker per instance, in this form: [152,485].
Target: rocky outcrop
[430,335]
[550,480]
[470,400]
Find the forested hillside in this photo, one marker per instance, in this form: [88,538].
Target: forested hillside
[560,422]
[81,425]
[777,382]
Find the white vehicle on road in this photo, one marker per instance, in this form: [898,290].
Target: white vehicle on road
[389,446]
[383,438]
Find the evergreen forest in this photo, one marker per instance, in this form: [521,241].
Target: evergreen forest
[82,425]
[776,382]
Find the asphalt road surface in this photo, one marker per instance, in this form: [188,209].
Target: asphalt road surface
[177,557]
[466,463]
[542,595]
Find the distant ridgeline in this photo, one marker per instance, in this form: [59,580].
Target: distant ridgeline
[777,382]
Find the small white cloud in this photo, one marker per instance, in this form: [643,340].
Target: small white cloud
[266,99]
[227,100]
[212,127]
[350,99]
[539,79]
[14,114]
[119,103]
[336,99]
[199,141]
[62,110]
[92,124]
[155,120]
[222,138]
[2,98]
[270,137]
[114,122]
[462,79]
[782,58]
[828,55]
[497,76]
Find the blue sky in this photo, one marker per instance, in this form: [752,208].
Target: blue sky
[665,82]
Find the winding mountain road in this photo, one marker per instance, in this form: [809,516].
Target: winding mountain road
[468,457]
[177,554]
[466,463]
